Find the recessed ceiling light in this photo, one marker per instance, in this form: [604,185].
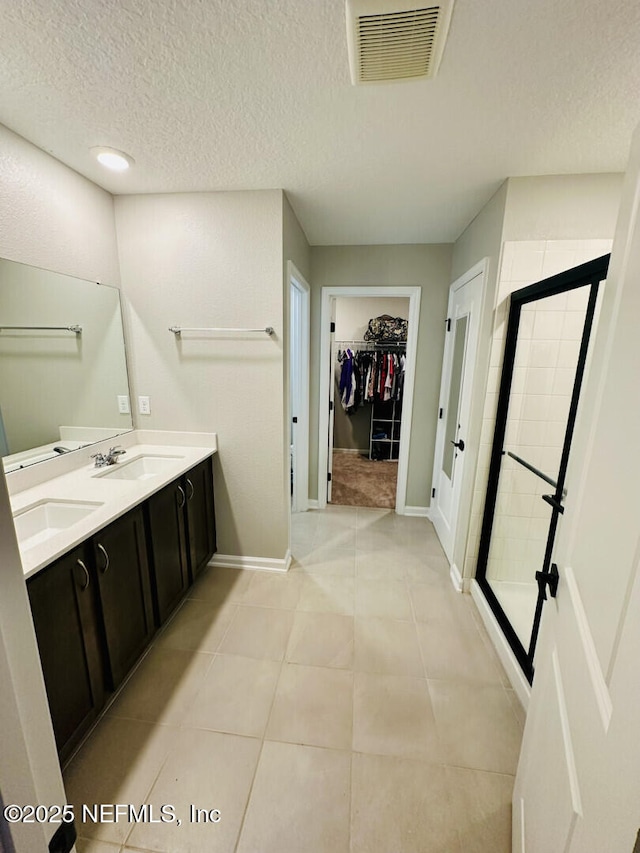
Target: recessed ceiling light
[113,159]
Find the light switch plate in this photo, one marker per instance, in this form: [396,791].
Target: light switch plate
[123,404]
[144,405]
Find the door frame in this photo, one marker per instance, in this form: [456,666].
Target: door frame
[413,293]
[470,364]
[299,361]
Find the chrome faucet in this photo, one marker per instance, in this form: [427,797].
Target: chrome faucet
[109,458]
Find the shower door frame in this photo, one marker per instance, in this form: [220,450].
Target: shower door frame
[590,274]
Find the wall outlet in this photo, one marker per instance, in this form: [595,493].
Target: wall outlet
[123,404]
[144,405]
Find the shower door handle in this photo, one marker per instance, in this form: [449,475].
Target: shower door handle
[458,444]
[549,579]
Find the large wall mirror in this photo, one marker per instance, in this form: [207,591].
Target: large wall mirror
[63,372]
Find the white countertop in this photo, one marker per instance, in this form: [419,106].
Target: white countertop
[86,483]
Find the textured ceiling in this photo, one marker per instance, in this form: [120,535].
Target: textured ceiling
[251,94]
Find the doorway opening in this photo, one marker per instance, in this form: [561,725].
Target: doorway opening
[368,384]
[545,358]
[299,330]
[364,434]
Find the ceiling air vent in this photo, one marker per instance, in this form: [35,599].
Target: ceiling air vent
[395,40]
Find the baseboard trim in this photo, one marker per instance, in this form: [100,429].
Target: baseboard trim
[456,578]
[360,451]
[258,564]
[311,504]
[515,675]
[417,511]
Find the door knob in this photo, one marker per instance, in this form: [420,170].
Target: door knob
[458,444]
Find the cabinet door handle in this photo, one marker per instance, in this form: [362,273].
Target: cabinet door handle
[182,496]
[103,551]
[190,484]
[86,574]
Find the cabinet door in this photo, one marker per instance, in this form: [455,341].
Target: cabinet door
[125,592]
[167,548]
[65,616]
[201,522]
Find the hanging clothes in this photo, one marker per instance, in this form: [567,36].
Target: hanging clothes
[370,375]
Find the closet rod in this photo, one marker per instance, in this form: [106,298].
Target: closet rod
[375,343]
[76,329]
[178,330]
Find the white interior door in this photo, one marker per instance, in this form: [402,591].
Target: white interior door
[463,324]
[299,389]
[579,773]
[332,396]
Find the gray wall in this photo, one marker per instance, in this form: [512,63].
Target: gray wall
[214,260]
[426,266]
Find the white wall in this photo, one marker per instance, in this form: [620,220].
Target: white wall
[426,266]
[562,207]
[52,218]
[214,259]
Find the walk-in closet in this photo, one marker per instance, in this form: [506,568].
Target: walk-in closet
[368,356]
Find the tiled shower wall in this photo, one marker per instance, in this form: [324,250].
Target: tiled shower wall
[542,383]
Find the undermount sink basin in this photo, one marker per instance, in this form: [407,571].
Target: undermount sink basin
[46,518]
[140,468]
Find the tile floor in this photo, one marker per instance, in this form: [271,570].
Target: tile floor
[353,704]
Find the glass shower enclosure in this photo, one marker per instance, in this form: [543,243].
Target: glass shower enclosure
[546,351]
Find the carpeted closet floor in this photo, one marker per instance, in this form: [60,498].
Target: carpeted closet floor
[358,481]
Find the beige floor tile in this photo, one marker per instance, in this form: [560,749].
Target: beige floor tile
[430,600]
[476,724]
[273,589]
[210,771]
[392,715]
[313,706]
[401,806]
[422,568]
[332,536]
[258,632]
[236,696]
[321,639]
[88,845]
[452,647]
[198,625]
[299,802]
[380,564]
[118,763]
[327,594]
[387,599]
[163,686]
[328,560]
[219,583]
[387,646]
[481,808]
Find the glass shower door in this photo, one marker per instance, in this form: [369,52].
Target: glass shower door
[545,356]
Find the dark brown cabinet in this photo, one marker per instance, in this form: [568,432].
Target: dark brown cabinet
[181,535]
[93,609]
[201,524]
[167,537]
[66,617]
[120,556]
